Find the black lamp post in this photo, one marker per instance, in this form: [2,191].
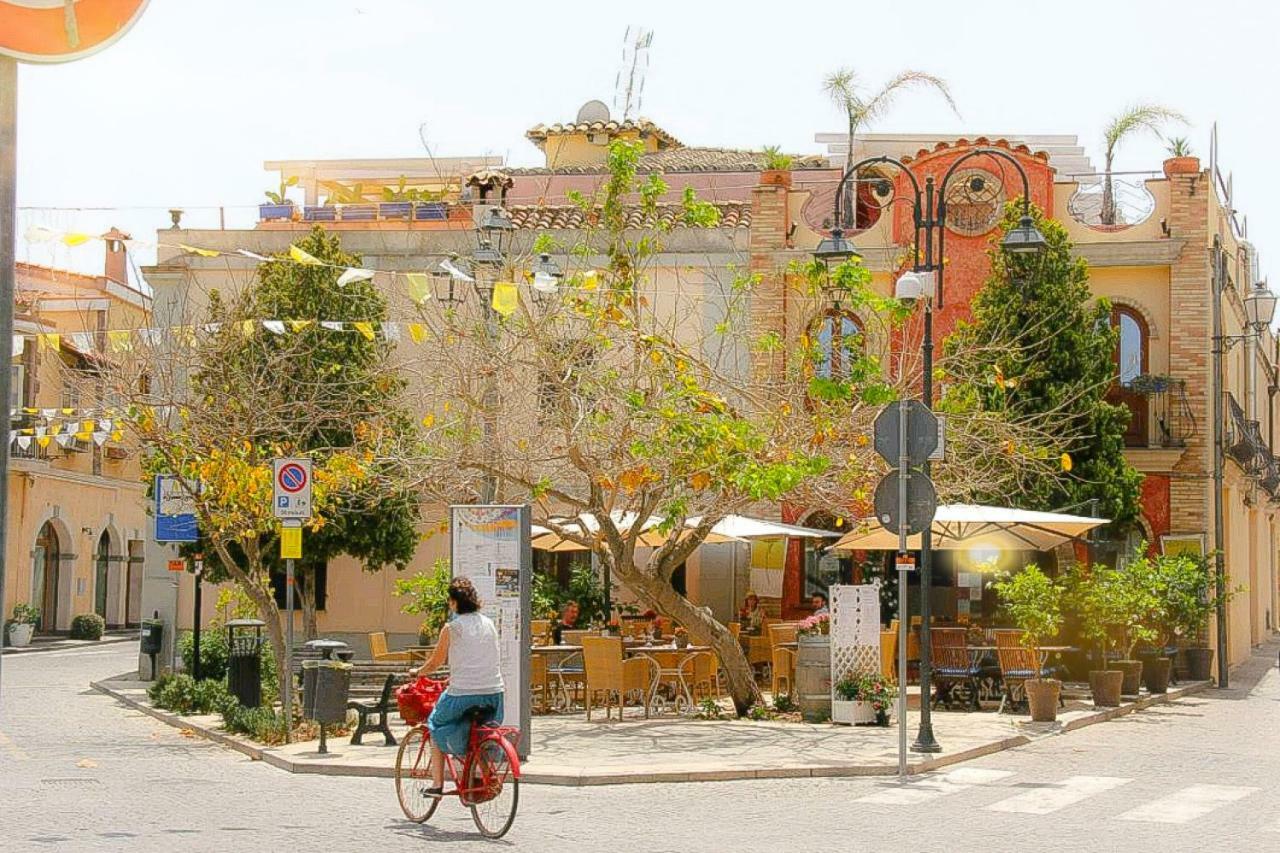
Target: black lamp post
[493,238]
[929,212]
[1260,308]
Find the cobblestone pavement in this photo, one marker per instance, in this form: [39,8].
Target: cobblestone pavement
[79,772]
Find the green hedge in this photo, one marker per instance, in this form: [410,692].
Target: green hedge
[88,626]
[182,694]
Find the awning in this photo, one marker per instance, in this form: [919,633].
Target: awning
[963,526]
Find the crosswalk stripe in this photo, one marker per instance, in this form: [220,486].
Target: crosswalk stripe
[924,788]
[1188,804]
[1057,795]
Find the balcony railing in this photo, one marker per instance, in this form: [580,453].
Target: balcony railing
[1162,414]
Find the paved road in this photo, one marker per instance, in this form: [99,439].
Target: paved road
[78,772]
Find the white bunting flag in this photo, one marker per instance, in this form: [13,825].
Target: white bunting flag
[39,234]
[64,439]
[150,337]
[276,326]
[19,344]
[449,267]
[331,325]
[24,442]
[252,255]
[354,274]
[82,341]
[544,282]
[100,438]
[391,331]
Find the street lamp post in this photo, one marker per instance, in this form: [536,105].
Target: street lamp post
[1260,308]
[929,212]
[493,234]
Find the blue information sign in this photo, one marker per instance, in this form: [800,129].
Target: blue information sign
[175,511]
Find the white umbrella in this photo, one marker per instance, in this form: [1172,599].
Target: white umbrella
[962,526]
[731,528]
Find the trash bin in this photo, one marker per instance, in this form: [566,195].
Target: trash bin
[244,661]
[325,685]
[151,638]
[328,649]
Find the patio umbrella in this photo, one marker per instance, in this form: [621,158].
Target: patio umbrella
[962,526]
[731,528]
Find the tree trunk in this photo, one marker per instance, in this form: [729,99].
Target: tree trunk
[703,630]
[1107,216]
[306,589]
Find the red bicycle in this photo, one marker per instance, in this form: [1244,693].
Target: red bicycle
[489,781]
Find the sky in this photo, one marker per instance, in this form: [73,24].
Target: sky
[183,111]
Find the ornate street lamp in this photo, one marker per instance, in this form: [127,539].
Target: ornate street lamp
[1260,306]
[1026,239]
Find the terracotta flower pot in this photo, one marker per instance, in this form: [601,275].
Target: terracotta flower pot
[1155,674]
[1181,166]
[1132,670]
[1042,697]
[1199,663]
[1104,684]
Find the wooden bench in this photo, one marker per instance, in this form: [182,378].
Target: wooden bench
[371,692]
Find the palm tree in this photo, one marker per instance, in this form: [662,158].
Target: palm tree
[1150,117]
[862,107]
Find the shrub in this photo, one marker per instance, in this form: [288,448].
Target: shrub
[213,653]
[88,626]
[784,704]
[262,724]
[182,694]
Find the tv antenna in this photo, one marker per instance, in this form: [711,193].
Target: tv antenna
[628,86]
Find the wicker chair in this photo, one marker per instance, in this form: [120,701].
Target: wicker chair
[538,682]
[378,650]
[953,665]
[702,673]
[608,674]
[540,629]
[889,655]
[782,661]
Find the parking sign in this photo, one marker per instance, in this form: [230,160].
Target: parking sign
[291,478]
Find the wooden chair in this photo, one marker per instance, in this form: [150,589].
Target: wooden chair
[378,649]
[573,636]
[540,631]
[735,628]
[538,682]
[889,655]
[1017,664]
[952,665]
[608,674]
[759,648]
[782,661]
[702,673]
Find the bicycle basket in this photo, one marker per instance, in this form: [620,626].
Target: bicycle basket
[417,699]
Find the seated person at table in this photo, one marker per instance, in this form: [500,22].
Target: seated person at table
[751,616]
[568,619]
[654,629]
[819,602]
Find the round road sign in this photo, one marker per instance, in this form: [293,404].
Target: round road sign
[292,477]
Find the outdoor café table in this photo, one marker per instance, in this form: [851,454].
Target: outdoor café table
[670,663]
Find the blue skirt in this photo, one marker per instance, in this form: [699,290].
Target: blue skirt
[450,729]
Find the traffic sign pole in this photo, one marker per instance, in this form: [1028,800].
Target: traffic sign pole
[904,462]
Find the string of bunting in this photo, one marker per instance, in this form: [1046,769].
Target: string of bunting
[505,296]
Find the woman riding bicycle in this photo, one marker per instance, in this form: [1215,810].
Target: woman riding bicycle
[470,642]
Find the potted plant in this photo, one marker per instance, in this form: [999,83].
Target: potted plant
[1088,598]
[1189,601]
[777,167]
[279,206]
[1181,160]
[680,638]
[1131,591]
[88,626]
[25,618]
[861,699]
[1033,601]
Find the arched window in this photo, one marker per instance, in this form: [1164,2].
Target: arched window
[839,338]
[1130,362]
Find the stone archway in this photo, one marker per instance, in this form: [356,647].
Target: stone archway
[46,563]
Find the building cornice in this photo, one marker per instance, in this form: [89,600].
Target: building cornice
[1137,253]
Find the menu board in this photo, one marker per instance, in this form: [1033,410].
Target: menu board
[491,547]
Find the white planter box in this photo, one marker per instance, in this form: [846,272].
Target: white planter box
[20,634]
[852,713]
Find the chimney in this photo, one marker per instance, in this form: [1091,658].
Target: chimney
[116,267]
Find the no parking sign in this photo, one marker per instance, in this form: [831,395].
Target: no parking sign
[291,478]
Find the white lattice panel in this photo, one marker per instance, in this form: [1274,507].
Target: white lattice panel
[855,630]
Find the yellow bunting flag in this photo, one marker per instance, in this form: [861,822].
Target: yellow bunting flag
[505,298]
[120,341]
[419,287]
[291,543]
[84,436]
[247,327]
[117,436]
[302,257]
[196,250]
[86,426]
[365,329]
[43,440]
[1065,461]
[417,332]
[50,341]
[298,325]
[55,427]
[76,239]
[590,280]
[428,420]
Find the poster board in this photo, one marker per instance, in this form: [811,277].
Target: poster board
[490,545]
[1183,543]
[768,557]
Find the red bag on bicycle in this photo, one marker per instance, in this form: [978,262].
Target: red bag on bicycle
[418,698]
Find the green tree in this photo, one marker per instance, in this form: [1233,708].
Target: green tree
[1040,345]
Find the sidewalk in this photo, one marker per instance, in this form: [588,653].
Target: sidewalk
[56,642]
[568,750]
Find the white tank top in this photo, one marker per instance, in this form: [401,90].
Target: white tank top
[474,661]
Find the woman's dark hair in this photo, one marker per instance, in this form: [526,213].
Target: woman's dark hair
[463,593]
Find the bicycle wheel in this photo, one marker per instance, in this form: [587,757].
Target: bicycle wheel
[493,804]
[413,776]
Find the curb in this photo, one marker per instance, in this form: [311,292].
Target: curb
[105,640]
[583,778]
